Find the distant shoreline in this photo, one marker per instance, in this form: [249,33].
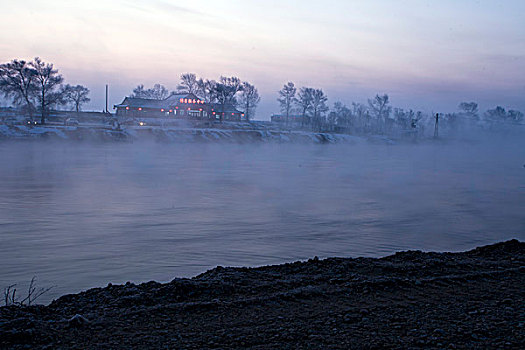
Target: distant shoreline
[216,134]
[410,299]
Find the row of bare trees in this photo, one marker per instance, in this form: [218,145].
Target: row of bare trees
[468,114]
[36,86]
[226,92]
[310,105]
[377,116]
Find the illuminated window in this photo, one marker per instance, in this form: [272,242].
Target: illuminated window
[185,100]
[162,109]
[140,109]
[127,107]
[194,101]
[181,100]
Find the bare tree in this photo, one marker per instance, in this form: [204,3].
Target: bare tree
[304,102]
[495,116]
[17,82]
[287,99]
[514,116]
[360,113]
[76,95]
[380,109]
[342,116]
[249,99]
[499,115]
[206,90]
[188,84]
[139,92]
[47,81]
[403,118]
[225,92]
[158,92]
[469,111]
[319,107]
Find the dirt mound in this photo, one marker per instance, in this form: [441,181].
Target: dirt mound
[411,299]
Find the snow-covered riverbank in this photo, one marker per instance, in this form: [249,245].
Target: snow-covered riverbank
[170,134]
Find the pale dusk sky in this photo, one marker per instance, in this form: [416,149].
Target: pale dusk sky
[428,55]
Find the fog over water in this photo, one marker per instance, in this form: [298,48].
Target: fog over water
[80,215]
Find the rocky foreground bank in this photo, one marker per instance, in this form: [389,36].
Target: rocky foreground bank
[474,299]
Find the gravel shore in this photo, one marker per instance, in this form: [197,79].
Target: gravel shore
[474,299]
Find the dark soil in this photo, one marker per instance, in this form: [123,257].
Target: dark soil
[409,300]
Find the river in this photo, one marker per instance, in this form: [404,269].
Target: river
[81,215]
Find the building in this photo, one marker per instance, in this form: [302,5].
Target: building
[175,106]
[229,112]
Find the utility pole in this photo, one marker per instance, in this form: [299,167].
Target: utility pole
[436,128]
[107,98]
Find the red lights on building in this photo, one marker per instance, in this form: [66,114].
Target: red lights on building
[140,108]
[127,108]
[162,109]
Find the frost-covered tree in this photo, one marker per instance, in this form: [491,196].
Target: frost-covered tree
[380,109]
[450,120]
[304,103]
[496,115]
[342,116]
[514,116]
[499,115]
[404,119]
[286,99]
[47,82]
[319,107]
[248,99]
[361,116]
[469,111]
[189,84]
[17,83]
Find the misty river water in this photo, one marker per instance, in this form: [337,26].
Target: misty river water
[82,215]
